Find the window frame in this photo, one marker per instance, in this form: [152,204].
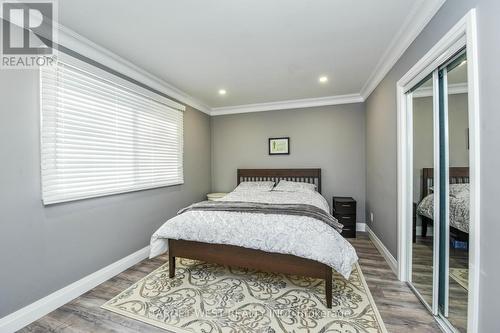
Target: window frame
[130,85]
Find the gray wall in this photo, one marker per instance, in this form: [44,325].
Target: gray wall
[423,146]
[381,143]
[46,248]
[332,138]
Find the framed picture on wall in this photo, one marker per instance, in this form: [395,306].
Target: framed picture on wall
[279,146]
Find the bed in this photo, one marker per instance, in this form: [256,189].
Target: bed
[298,245]
[459,201]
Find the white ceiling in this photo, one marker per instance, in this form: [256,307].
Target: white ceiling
[260,51]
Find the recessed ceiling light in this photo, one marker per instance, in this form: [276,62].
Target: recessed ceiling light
[222,91]
[323,79]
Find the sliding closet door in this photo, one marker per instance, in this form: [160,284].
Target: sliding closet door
[439,137]
[454,194]
[422,116]
[439,158]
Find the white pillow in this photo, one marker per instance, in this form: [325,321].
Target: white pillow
[457,190]
[288,186]
[262,186]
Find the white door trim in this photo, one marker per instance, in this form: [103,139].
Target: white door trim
[464,33]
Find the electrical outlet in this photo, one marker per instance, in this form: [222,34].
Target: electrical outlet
[371,217]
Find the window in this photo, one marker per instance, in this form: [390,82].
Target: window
[99,137]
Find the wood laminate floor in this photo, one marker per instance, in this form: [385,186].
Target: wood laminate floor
[422,279]
[400,309]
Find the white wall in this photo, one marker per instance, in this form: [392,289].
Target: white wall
[423,146]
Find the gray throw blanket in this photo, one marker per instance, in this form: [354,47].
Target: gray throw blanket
[266,208]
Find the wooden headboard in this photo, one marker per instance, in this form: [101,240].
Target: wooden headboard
[458,175]
[311,176]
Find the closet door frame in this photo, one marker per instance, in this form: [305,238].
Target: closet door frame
[462,35]
[434,306]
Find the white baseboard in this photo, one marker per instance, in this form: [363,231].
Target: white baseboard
[393,264]
[40,308]
[360,226]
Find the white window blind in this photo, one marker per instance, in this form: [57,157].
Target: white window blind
[100,138]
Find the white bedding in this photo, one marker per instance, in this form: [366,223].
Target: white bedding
[297,235]
[459,206]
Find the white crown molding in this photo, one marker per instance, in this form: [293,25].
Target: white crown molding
[286,105]
[81,45]
[30,313]
[453,89]
[85,47]
[89,49]
[421,13]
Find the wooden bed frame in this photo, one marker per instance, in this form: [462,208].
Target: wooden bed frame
[256,259]
[457,175]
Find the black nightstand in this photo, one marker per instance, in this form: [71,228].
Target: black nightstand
[344,210]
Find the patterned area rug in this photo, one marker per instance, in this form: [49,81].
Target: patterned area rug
[461,275]
[212,298]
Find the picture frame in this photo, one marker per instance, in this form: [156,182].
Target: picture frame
[279,146]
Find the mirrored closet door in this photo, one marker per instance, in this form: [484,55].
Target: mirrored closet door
[438,248]
[455,194]
[423,259]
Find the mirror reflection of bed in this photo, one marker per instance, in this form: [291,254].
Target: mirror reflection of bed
[423,250]
[458,233]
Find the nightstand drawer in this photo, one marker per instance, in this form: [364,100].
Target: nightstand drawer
[344,210]
[345,219]
[349,232]
[343,207]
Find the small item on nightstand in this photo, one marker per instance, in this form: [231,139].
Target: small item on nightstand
[344,210]
[215,196]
